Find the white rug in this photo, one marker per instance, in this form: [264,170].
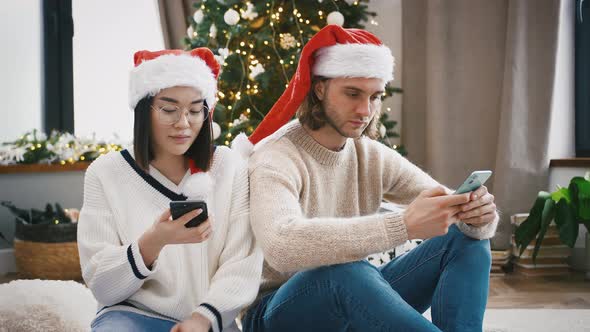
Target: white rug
[535,320]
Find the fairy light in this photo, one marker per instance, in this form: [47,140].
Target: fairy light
[242,44]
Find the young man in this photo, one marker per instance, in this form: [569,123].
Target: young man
[316,185]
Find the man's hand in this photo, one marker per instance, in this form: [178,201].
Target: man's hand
[197,323]
[433,212]
[481,209]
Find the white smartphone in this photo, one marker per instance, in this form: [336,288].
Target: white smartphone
[474,181]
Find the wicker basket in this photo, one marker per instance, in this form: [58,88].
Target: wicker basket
[41,260]
[45,251]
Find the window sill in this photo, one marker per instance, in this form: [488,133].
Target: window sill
[570,162]
[43,168]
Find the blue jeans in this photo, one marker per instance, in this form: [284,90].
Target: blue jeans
[127,321]
[448,273]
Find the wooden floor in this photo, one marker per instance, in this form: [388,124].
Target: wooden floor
[513,291]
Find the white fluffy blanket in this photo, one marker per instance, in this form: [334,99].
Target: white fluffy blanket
[45,305]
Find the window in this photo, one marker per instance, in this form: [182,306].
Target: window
[58,100]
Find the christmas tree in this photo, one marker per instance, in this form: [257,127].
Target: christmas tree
[258,44]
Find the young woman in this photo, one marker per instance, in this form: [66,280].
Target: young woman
[146,270]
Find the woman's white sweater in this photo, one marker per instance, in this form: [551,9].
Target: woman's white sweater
[216,278]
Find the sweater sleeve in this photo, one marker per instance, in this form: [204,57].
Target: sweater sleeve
[112,271]
[291,241]
[235,283]
[405,181]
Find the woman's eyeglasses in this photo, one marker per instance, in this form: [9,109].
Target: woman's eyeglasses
[171,114]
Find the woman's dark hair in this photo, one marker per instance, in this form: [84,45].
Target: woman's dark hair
[201,151]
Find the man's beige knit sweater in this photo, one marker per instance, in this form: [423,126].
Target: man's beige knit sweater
[311,206]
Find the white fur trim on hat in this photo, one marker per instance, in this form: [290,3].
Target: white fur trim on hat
[354,60]
[169,70]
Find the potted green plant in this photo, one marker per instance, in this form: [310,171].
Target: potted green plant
[45,242]
[568,207]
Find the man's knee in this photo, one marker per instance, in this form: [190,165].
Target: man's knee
[355,272]
[479,251]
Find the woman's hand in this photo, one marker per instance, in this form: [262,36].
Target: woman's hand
[197,323]
[166,231]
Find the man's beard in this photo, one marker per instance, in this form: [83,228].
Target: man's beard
[333,124]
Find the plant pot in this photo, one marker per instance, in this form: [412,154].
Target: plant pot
[587,255]
[47,251]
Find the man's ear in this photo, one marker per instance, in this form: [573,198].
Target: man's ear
[320,89]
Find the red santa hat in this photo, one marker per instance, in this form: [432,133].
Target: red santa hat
[332,52]
[159,70]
